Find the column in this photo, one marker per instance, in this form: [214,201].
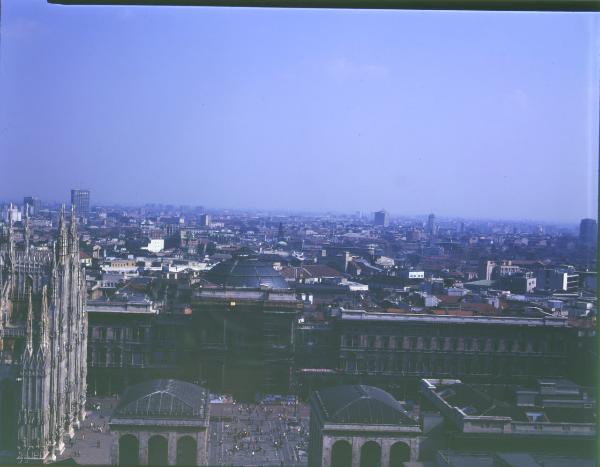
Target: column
[414,449]
[202,447]
[143,437]
[385,451]
[356,443]
[114,451]
[172,448]
[326,449]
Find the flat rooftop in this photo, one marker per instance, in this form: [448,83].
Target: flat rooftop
[473,402]
[362,315]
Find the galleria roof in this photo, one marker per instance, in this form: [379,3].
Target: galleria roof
[360,404]
[163,398]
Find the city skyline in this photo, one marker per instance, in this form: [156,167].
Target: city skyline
[394,215]
[428,111]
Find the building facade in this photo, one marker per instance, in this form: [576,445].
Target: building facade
[161,422]
[247,323]
[131,341]
[120,342]
[386,346]
[588,232]
[431,227]
[522,283]
[81,200]
[31,206]
[560,280]
[43,365]
[360,426]
[382,218]
[204,220]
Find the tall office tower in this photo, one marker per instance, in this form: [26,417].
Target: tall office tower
[431,224]
[205,220]
[588,232]
[81,200]
[43,337]
[31,206]
[381,218]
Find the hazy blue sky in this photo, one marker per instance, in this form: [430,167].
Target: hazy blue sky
[460,113]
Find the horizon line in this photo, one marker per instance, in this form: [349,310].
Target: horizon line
[291,211]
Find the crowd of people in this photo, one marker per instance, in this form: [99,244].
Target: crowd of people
[260,434]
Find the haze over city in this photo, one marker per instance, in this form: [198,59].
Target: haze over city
[463,114]
[302,238]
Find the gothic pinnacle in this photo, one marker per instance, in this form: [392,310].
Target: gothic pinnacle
[63,240]
[29,335]
[44,319]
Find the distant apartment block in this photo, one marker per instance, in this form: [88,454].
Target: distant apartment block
[431,227]
[31,206]
[490,270]
[520,283]
[81,200]
[381,218]
[205,220]
[564,280]
[588,232]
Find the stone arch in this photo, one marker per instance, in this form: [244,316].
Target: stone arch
[370,454]
[129,450]
[187,451]
[158,449]
[341,454]
[399,454]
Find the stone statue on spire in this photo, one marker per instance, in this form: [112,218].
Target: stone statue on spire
[26,232]
[63,237]
[29,329]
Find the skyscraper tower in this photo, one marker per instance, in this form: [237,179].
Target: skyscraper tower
[31,206]
[205,220]
[381,218]
[81,200]
[431,224]
[588,232]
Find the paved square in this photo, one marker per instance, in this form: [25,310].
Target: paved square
[91,443]
[258,435]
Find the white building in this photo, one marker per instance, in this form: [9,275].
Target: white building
[413,274]
[156,245]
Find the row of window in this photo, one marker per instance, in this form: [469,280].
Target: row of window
[443,366]
[461,331]
[451,343]
[118,358]
[102,333]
